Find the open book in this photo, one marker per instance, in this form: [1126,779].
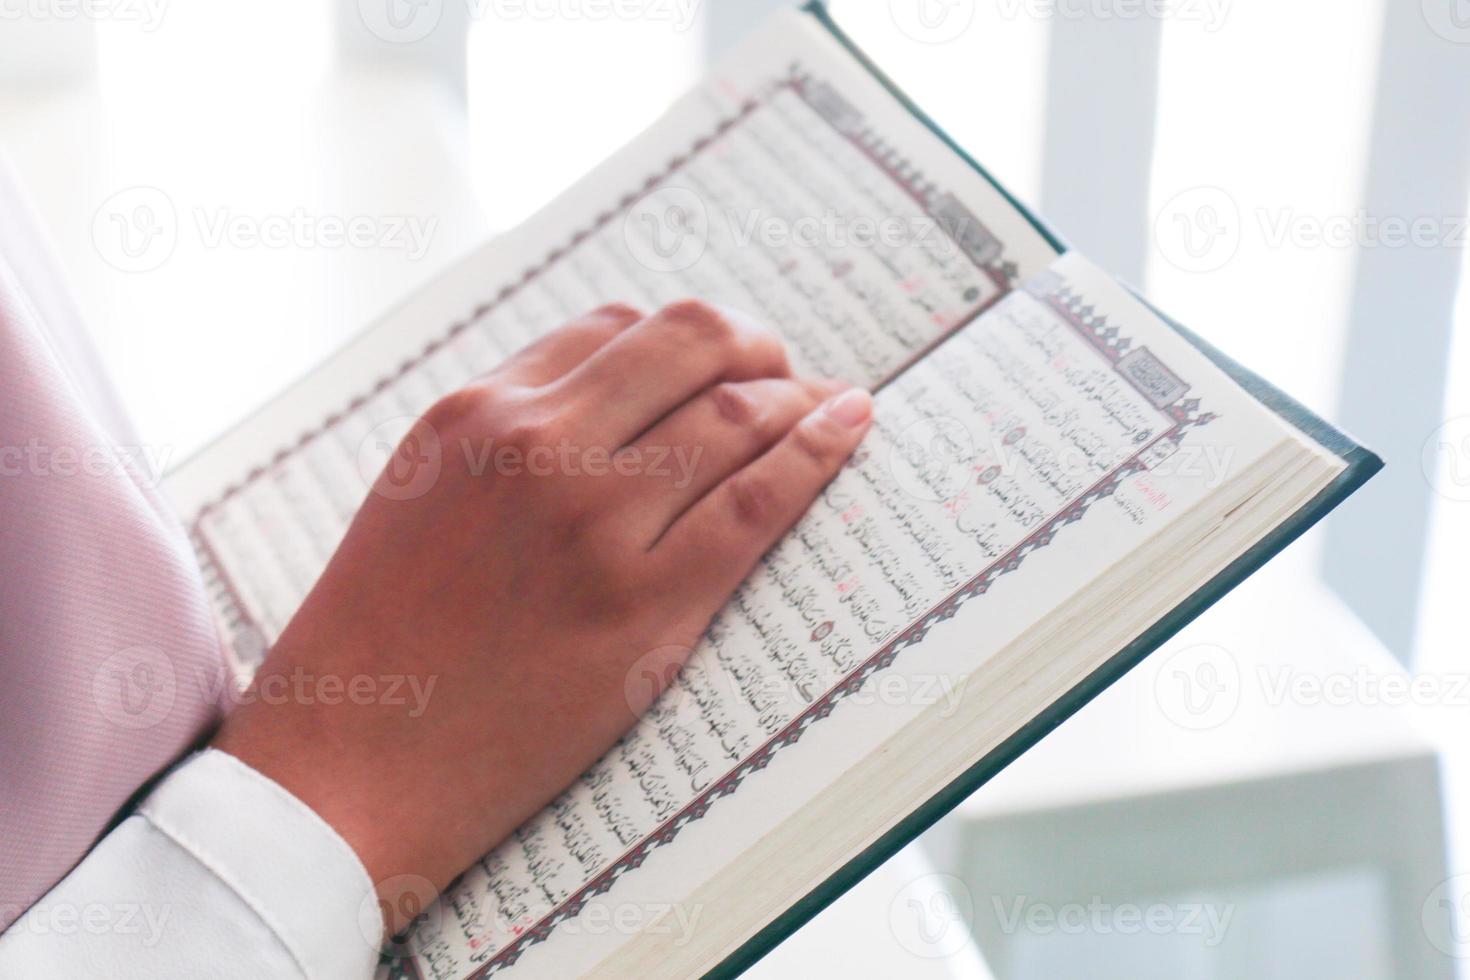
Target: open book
[1057,480]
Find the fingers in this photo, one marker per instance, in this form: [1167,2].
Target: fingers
[648,370]
[552,356]
[708,438]
[741,518]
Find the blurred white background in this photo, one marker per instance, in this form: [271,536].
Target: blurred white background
[1291,180]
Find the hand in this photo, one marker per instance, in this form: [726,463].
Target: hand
[588,505]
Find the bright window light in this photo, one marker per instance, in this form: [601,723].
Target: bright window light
[550,98]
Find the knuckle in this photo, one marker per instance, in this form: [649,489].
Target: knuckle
[812,440]
[460,406]
[528,421]
[746,341]
[734,404]
[752,500]
[526,434]
[701,321]
[820,389]
[768,349]
[623,313]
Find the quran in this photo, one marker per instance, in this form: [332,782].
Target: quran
[1058,478]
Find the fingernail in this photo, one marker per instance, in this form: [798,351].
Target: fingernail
[852,408]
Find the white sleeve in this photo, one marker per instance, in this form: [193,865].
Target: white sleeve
[221,873]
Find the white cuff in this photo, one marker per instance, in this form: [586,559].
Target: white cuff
[292,869]
[222,873]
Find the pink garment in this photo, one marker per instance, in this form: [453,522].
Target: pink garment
[110,664]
